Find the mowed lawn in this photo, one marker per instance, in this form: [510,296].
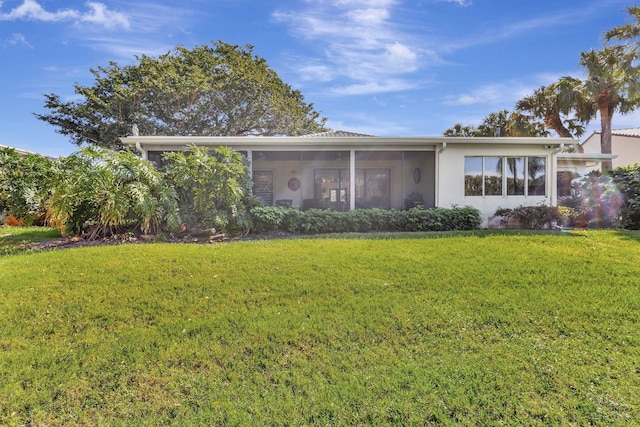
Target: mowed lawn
[471,329]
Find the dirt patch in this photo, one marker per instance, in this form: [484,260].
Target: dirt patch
[121,239]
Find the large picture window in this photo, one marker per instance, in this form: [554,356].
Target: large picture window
[505,176]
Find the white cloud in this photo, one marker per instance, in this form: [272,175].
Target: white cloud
[106,18]
[356,41]
[31,10]
[458,2]
[502,95]
[15,40]
[377,86]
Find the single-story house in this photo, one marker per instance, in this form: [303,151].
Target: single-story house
[22,152]
[345,171]
[625,144]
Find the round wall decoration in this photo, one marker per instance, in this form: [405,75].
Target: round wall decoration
[417,174]
[294,184]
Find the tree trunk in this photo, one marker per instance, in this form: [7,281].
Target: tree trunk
[606,115]
[555,123]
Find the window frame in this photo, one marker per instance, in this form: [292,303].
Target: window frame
[505,176]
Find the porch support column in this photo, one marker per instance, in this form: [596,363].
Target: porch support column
[352,180]
[250,159]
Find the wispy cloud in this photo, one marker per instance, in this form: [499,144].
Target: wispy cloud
[16,39]
[500,95]
[361,47]
[458,2]
[96,14]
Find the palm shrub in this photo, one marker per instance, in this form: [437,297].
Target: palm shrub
[627,181]
[598,200]
[213,187]
[109,190]
[24,184]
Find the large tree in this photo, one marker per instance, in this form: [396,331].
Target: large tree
[611,85]
[217,89]
[547,105]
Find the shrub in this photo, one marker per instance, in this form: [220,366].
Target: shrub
[530,217]
[598,201]
[627,181]
[213,187]
[267,218]
[101,188]
[24,184]
[317,221]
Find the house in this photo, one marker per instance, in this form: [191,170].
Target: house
[345,171]
[22,152]
[625,144]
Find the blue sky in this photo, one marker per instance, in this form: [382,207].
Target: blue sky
[381,67]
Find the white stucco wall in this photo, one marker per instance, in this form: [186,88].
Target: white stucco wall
[627,148]
[451,179]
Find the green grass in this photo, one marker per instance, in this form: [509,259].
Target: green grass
[13,239]
[476,329]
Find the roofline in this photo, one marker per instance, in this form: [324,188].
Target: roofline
[596,157]
[332,141]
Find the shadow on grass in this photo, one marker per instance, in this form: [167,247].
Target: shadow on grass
[445,234]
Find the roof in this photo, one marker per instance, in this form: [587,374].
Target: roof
[337,134]
[23,152]
[334,142]
[633,132]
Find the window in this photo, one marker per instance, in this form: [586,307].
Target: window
[263,186]
[505,176]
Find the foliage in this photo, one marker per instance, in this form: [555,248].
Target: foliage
[100,187]
[24,184]
[597,200]
[508,123]
[611,85]
[530,217]
[547,105]
[316,221]
[627,181]
[217,89]
[213,187]
[489,328]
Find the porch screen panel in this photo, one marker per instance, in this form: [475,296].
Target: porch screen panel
[331,188]
[537,172]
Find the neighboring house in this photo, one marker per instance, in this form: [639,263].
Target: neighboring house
[625,144]
[344,171]
[22,152]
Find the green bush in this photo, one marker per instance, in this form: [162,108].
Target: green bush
[24,184]
[213,187]
[530,217]
[627,181]
[108,190]
[317,221]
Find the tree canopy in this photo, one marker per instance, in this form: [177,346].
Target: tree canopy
[548,105]
[501,123]
[216,90]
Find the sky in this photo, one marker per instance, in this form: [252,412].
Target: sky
[379,67]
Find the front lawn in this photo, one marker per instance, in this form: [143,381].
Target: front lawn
[477,329]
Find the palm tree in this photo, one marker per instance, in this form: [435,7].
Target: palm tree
[611,85]
[628,31]
[546,105]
